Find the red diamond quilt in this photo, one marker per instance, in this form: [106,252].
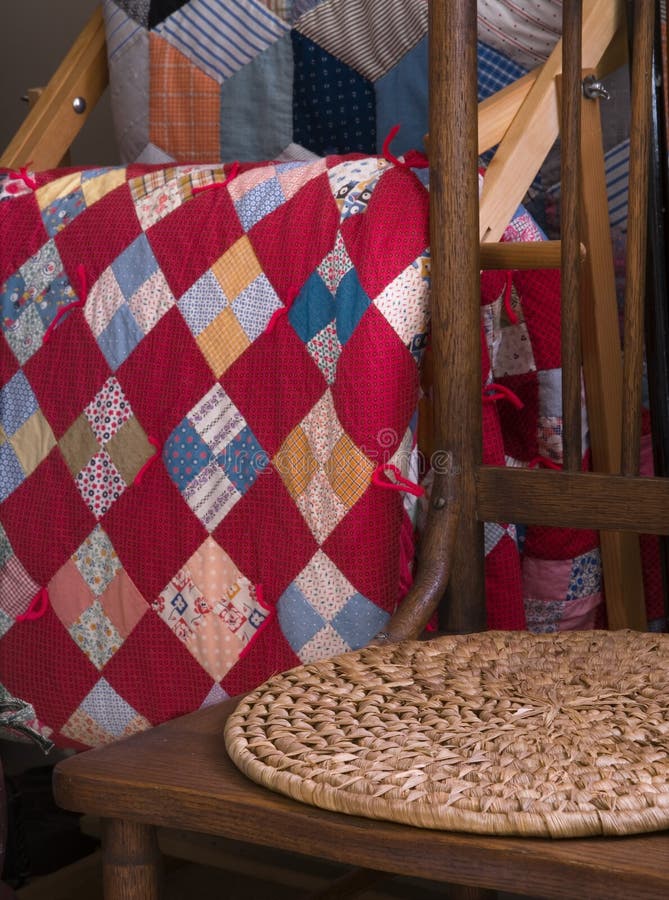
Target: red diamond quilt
[202,372]
[207,376]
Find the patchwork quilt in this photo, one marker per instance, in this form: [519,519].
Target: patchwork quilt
[209,379]
[208,389]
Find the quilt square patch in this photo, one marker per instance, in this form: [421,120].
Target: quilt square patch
[586,575]
[405,301]
[243,460]
[100,483]
[255,305]
[25,333]
[95,635]
[69,594]
[17,588]
[108,411]
[120,337]
[32,442]
[237,268]
[60,212]
[186,454]
[222,342]
[156,195]
[202,303]
[123,604]
[259,202]
[107,712]
[335,265]
[151,301]
[134,266]
[97,561]
[181,606]
[17,403]
[213,457]
[11,472]
[325,350]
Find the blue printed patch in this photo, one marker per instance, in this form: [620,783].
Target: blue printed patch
[255,306]
[120,337]
[185,454]
[11,473]
[202,302]
[41,269]
[586,576]
[243,460]
[298,619]
[313,309]
[17,403]
[59,293]
[351,302]
[62,211]
[15,296]
[108,709]
[359,621]
[134,266]
[259,202]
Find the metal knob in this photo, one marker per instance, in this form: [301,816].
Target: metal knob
[79,105]
[593,89]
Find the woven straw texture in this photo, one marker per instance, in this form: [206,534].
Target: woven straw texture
[558,735]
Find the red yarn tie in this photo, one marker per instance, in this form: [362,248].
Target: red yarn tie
[493,392]
[38,606]
[150,461]
[233,173]
[397,483]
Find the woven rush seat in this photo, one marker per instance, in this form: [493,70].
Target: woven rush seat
[558,735]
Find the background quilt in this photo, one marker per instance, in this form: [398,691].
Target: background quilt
[325,76]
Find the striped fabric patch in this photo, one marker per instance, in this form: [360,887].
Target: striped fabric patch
[370,36]
[616,168]
[119,29]
[616,164]
[222,36]
[524,30]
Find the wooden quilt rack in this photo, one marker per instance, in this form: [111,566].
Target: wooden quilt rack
[523,122]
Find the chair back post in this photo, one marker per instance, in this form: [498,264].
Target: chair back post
[454,225]
[637,225]
[570,235]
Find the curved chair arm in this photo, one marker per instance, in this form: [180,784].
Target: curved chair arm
[434,562]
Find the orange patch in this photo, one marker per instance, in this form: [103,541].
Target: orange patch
[184,106]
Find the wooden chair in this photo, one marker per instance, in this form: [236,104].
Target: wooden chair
[178,776]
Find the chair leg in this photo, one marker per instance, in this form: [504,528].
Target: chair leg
[462,892]
[132,862]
